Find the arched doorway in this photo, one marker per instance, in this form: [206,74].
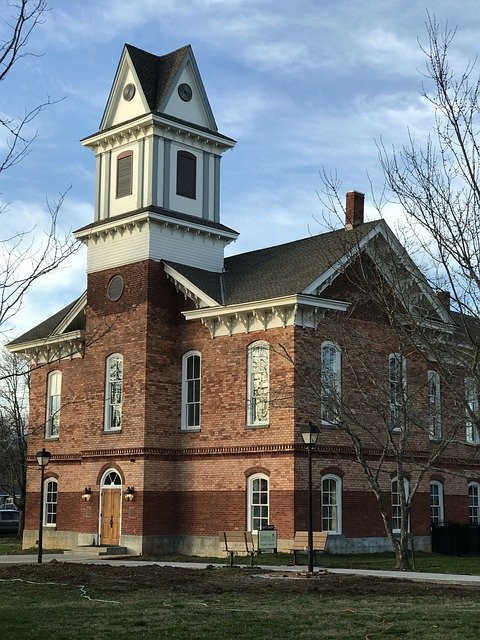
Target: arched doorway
[110,508]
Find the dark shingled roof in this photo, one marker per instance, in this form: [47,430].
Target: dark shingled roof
[48,326]
[156,73]
[282,270]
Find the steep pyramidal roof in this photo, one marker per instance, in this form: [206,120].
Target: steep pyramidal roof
[156,73]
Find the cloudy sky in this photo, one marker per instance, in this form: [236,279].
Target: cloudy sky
[300,84]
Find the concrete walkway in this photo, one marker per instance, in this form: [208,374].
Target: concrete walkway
[439,578]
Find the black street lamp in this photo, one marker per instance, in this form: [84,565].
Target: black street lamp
[43,458]
[310,436]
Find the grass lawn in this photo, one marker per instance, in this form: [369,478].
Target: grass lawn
[467,565]
[76,602]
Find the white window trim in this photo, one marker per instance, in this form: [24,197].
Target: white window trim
[250,479]
[107,418]
[406,485]
[184,412]
[53,376]
[337,373]
[439,485]
[472,434]
[475,485]
[251,422]
[399,357]
[338,497]
[50,525]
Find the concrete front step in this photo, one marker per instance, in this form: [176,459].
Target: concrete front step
[97,551]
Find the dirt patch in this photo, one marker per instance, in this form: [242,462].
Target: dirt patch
[124,579]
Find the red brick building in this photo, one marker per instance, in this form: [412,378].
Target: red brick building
[173,392]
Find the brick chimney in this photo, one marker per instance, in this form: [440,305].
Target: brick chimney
[444,298]
[354,208]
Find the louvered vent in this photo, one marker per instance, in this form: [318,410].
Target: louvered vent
[124,174]
[186,174]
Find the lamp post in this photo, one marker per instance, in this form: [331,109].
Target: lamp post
[43,458]
[310,437]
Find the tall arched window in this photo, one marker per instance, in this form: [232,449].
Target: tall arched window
[54,396]
[397,379]
[434,406]
[330,368]
[191,389]
[332,504]
[436,502]
[397,503]
[257,501]
[113,392]
[472,410]
[258,382]
[124,174]
[50,503]
[186,174]
[474,503]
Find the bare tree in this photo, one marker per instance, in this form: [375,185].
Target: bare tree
[14,376]
[26,254]
[401,433]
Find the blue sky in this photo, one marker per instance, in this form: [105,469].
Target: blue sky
[300,85]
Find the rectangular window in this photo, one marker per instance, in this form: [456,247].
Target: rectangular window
[330,368]
[113,393]
[397,505]
[54,396]
[124,174]
[474,503]
[436,502]
[434,406]
[50,510]
[258,499]
[258,384]
[331,491]
[471,400]
[397,368]
[191,389]
[186,175]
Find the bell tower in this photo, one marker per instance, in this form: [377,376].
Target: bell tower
[158,152]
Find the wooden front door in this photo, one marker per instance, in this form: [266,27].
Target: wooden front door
[110,516]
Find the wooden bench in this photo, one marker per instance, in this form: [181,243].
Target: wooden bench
[300,543]
[235,542]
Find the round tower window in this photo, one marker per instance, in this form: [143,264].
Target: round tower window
[115,288]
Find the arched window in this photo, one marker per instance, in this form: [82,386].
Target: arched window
[436,502]
[111,478]
[113,392]
[191,389]
[186,174]
[124,174]
[332,504]
[258,381]
[434,406]
[472,410]
[397,379]
[50,503]
[474,503]
[330,368]
[54,396]
[257,502]
[396,504]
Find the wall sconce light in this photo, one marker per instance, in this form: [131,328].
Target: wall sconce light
[87,494]
[129,494]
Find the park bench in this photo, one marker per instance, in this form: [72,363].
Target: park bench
[237,542]
[300,543]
